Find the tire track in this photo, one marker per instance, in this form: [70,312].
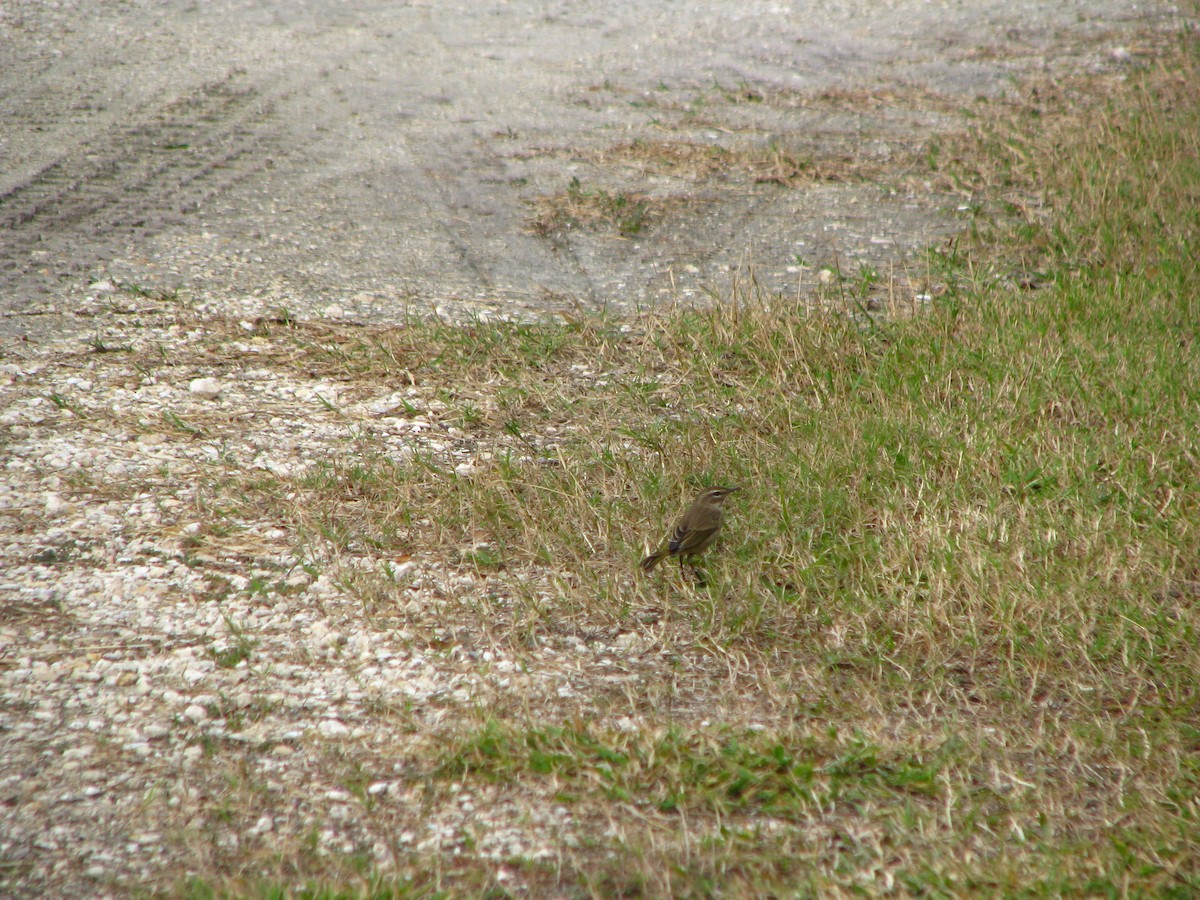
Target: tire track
[85,206]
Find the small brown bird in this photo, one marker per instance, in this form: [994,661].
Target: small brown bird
[696,531]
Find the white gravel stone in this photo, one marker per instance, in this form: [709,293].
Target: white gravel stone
[264,825]
[207,388]
[332,728]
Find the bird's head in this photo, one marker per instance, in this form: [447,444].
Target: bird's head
[717,494]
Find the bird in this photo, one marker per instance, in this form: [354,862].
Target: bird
[695,532]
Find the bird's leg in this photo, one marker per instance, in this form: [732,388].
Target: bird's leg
[698,574]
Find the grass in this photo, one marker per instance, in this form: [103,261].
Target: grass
[949,643]
[691,164]
[578,206]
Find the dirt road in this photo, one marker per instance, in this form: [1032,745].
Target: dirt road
[367,157]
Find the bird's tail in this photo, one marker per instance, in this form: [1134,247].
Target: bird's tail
[651,561]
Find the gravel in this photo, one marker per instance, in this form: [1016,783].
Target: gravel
[127,709]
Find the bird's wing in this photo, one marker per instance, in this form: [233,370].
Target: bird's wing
[685,539]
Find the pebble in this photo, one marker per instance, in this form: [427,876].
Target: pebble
[207,388]
[332,728]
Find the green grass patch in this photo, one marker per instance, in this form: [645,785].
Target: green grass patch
[722,773]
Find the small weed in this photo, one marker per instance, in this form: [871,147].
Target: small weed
[97,345]
[358,782]
[238,648]
[66,403]
[160,295]
[180,424]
